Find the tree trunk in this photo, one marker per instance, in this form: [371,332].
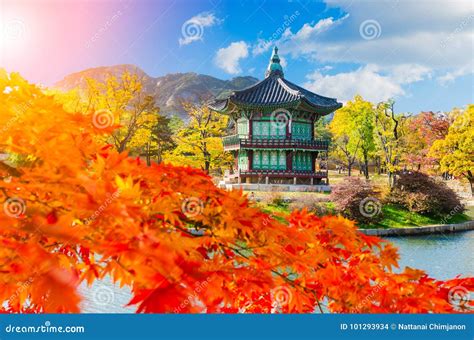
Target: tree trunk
[366,166]
[349,168]
[148,158]
[207,161]
[471,183]
[391,179]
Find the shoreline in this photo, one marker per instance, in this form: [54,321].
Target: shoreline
[425,230]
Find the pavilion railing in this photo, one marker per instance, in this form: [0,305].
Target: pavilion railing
[284,173]
[236,141]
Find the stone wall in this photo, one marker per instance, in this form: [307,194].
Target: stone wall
[431,229]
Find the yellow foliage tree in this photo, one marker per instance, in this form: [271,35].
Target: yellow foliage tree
[456,151]
[80,211]
[199,142]
[122,101]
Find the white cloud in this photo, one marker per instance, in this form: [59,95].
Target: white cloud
[449,77]
[262,46]
[228,58]
[193,29]
[367,81]
[433,34]
[409,73]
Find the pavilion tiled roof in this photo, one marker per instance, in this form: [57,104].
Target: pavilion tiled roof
[276,92]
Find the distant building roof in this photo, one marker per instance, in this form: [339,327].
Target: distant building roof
[276,92]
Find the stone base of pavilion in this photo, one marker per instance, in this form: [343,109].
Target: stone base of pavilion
[276,187]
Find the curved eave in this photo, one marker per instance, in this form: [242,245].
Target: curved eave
[229,106]
[219,105]
[307,105]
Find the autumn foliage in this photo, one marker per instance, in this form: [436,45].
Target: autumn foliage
[423,194]
[75,210]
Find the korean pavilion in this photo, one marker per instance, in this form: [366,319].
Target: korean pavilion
[273,140]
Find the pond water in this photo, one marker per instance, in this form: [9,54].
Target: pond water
[441,256]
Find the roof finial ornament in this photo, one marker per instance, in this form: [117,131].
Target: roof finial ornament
[274,67]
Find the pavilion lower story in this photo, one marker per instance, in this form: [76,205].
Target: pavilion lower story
[279,167]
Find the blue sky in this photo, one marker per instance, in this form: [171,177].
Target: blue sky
[419,52]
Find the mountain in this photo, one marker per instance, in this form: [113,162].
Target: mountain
[168,90]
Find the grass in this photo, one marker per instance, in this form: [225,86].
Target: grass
[393,216]
[397,217]
[275,209]
[298,195]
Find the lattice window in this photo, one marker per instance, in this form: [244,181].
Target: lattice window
[265,129]
[243,160]
[302,161]
[257,159]
[274,160]
[282,160]
[265,160]
[301,131]
[242,127]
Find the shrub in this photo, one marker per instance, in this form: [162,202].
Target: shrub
[356,199]
[423,194]
[313,203]
[274,198]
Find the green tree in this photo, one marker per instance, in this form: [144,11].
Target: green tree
[153,143]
